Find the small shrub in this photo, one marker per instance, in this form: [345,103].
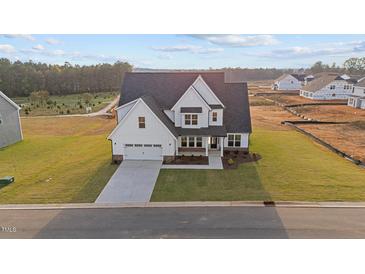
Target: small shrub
[99,102]
[58,107]
[230,161]
[68,111]
[26,112]
[80,106]
[61,112]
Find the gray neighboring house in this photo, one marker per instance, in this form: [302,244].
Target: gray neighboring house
[10,127]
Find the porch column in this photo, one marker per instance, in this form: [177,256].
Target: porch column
[206,146]
[177,147]
[221,145]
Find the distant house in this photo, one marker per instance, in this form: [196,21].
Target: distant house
[289,82]
[163,115]
[10,128]
[328,86]
[357,98]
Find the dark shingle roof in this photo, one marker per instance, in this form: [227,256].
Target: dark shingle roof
[191,110]
[152,104]
[167,88]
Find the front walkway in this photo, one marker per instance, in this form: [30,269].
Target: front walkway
[215,162]
[132,182]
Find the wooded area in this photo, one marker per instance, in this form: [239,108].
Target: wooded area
[22,78]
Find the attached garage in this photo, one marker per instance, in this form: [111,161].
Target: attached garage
[143,152]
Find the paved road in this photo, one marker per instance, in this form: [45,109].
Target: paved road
[198,222]
[133,181]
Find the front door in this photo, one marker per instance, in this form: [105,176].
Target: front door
[213,142]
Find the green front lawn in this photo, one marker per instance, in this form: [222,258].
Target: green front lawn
[292,168]
[61,160]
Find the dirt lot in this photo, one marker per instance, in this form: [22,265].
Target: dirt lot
[332,113]
[270,117]
[344,137]
[349,138]
[296,99]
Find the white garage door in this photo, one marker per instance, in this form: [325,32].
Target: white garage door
[143,152]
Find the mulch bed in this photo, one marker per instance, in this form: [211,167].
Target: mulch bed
[238,157]
[188,160]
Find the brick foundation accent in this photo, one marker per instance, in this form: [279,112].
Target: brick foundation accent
[168,158]
[117,159]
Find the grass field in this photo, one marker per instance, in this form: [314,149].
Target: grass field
[66,104]
[61,160]
[292,168]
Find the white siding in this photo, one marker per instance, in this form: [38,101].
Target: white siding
[191,99]
[288,83]
[155,132]
[359,91]
[205,91]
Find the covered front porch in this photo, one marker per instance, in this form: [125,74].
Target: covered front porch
[200,145]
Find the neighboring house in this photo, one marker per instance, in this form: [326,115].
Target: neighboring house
[289,82]
[10,127]
[357,98]
[328,86]
[161,115]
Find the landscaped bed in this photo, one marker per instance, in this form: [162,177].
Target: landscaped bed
[188,160]
[232,159]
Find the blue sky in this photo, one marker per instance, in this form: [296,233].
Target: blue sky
[185,51]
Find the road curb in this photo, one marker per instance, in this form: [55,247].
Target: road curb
[184,204]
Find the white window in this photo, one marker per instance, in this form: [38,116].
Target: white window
[199,141]
[190,141]
[234,140]
[141,122]
[214,116]
[332,86]
[184,141]
[191,119]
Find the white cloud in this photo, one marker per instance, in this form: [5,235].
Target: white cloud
[188,48]
[210,50]
[179,48]
[6,48]
[22,36]
[306,52]
[236,40]
[38,47]
[52,41]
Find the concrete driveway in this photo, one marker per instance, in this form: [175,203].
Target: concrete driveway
[133,181]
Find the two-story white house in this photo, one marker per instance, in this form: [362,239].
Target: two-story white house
[357,98]
[288,82]
[328,86]
[161,115]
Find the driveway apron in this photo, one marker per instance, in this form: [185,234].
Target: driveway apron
[133,181]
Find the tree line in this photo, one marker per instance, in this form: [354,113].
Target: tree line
[22,78]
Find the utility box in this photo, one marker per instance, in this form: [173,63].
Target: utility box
[6,180]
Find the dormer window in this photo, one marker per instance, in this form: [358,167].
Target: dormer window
[141,122]
[191,119]
[214,116]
